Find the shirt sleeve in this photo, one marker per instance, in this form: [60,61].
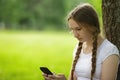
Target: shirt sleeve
[110,50]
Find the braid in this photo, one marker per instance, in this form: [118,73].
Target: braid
[75,60]
[94,53]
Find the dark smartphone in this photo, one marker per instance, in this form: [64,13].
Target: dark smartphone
[46,70]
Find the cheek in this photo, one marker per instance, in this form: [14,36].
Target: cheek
[87,35]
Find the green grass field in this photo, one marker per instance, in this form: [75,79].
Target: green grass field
[22,53]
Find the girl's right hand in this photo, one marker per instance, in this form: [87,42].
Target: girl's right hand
[54,77]
[46,77]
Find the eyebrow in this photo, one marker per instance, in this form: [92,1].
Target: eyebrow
[76,27]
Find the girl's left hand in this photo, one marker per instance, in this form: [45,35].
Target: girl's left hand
[55,77]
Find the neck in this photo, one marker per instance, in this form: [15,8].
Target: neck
[100,40]
[89,43]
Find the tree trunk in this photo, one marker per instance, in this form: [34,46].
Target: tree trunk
[111,22]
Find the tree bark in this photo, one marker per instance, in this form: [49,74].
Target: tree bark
[111,23]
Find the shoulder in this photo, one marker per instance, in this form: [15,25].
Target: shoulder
[107,49]
[107,46]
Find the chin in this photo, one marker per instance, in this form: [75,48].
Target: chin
[81,40]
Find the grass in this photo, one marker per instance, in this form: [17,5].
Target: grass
[22,53]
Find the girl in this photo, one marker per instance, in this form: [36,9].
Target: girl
[95,58]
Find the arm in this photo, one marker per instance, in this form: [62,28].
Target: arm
[110,67]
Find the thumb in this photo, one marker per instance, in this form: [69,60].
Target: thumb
[60,75]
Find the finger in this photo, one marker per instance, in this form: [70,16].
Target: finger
[47,78]
[61,76]
[52,76]
[54,73]
[44,74]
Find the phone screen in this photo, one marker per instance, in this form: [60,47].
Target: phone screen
[46,70]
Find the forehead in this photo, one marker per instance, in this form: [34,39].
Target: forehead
[72,23]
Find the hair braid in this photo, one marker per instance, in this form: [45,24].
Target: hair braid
[94,53]
[75,60]
[86,14]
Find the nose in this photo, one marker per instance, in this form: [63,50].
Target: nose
[75,34]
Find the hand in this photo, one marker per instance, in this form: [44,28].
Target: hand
[54,77]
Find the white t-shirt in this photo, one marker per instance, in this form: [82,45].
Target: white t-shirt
[83,66]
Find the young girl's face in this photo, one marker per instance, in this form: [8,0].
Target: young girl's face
[80,32]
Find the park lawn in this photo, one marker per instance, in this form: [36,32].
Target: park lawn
[22,53]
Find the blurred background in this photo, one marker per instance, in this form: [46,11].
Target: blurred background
[34,33]
[37,14]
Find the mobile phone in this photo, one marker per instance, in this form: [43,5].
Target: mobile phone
[46,70]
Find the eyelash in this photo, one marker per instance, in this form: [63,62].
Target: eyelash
[78,29]
[71,30]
